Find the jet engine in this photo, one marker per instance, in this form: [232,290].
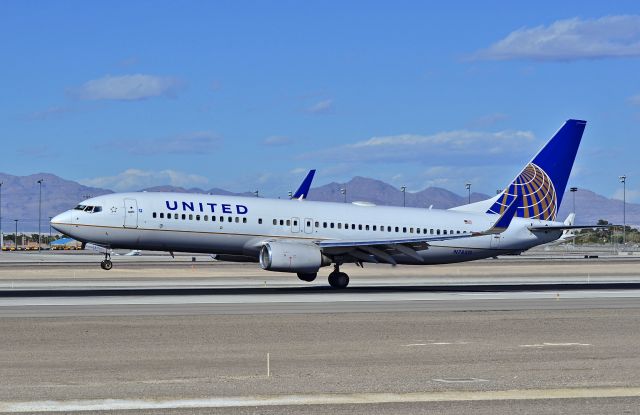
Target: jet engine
[292,257]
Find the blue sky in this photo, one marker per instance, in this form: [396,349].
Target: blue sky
[249,95]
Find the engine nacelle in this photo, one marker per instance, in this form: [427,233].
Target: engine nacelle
[292,257]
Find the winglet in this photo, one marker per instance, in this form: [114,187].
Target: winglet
[504,220]
[303,190]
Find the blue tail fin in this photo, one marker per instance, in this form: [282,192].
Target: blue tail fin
[542,182]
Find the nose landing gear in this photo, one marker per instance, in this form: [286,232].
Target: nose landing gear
[338,279]
[106,264]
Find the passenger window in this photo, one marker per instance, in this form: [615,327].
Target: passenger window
[359,227]
[431,232]
[259,221]
[418,230]
[154,215]
[438,231]
[397,229]
[388,228]
[168,215]
[366,227]
[404,229]
[221,218]
[161,215]
[308,224]
[339,225]
[190,217]
[458,232]
[375,228]
[346,226]
[317,224]
[451,232]
[244,220]
[331,225]
[281,222]
[197,217]
[410,230]
[206,218]
[288,222]
[295,223]
[229,219]
[353,226]
[324,224]
[184,216]
[213,218]
[237,219]
[275,221]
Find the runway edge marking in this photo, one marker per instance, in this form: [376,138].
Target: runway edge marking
[315,399]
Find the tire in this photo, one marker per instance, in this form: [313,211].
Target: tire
[107,264]
[338,280]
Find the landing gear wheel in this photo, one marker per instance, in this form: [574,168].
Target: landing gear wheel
[106,264]
[338,279]
[307,277]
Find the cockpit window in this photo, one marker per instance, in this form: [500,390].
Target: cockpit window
[89,209]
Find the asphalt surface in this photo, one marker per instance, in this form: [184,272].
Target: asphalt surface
[200,344]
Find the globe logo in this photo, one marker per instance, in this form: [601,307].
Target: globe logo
[538,195]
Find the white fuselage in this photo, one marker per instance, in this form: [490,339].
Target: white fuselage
[231,225]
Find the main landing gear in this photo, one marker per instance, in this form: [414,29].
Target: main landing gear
[106,264]
[338,279]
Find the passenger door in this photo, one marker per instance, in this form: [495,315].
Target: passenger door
[130,213]
[308,225]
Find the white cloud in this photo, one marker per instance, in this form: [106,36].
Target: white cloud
[193,143]
[570,39]
[322,107]
[634,100]
[277,140]
[457,145]
[632,196]
[135,179]
[128,88]
[487,120]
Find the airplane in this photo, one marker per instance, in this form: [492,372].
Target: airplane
[301,236]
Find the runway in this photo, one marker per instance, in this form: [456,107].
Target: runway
[517,338]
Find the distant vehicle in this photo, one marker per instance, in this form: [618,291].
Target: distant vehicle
[300,236]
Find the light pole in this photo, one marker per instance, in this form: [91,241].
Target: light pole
[404,196]
[15,236]
[50,237]
[343,190]
[39,215]
[1,234]
[573,190]
[623,180]
[468,187]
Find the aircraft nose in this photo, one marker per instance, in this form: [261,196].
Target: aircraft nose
[59,221]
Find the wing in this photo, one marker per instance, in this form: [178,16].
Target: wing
[383,249]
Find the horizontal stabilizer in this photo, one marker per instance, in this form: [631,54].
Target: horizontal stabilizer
[567,227]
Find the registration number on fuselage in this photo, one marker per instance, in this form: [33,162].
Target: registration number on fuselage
[462,251]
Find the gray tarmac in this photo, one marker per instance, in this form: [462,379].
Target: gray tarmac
[516,336]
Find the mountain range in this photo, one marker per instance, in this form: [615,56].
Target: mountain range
[20,199]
